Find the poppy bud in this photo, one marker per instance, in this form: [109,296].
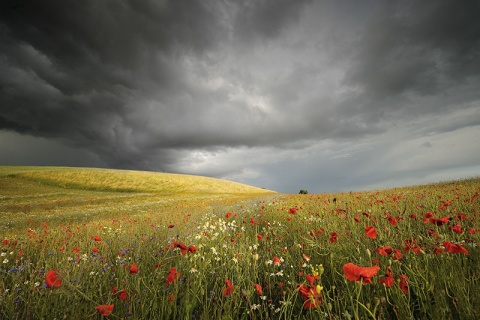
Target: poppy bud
[320,269]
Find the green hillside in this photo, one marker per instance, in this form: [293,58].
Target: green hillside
[60,194]
[125,181]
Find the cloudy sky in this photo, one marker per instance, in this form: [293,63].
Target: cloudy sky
[320,95]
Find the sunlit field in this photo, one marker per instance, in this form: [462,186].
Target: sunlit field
[92,244]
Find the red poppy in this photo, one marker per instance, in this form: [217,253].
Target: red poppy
[311,296]
[192,249]
[171,298]
[292,211]
[387,251]
[172,275]
[133,269]
[388,271]
[97,238]
[228,289]
[258,288]
[403,283]
[333,237]
[311,278]
[440,221]
[384,251]
[371,232]
[397,254]
[182,246]
[457,229]
[388,280]
[307,258]
[411,244]
[95,250]
[171,225]
[356,273]
[392,220]
[276,261]
[437,250]
[454,248]
[53,279]
[228,215]
[259,237]
[432,232]
[122,295]
[105,309]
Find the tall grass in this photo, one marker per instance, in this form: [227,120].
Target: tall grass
[279,256]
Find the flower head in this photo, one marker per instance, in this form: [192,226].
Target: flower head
[403,283]
[52,279]
[333,237]
[392,220]
[371,232]
[305,257]
[133,269]
[122,295]
[172,275]
[258,288]
[228,289]
[105,309]
[276,261]
[388,280]
[311,296]
[356,273]
[454,248]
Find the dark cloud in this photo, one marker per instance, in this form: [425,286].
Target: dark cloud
[419,49]
[240,89]
[260,20]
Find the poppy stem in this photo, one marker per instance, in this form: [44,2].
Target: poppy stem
[359,286]
[81,293]
[368,310]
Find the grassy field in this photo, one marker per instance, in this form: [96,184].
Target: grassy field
[91,243]
[52,194]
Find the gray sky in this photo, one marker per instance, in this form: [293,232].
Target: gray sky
[320,95]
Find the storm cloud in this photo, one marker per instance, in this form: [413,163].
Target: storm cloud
[286,95]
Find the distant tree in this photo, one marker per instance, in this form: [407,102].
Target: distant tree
[303,192]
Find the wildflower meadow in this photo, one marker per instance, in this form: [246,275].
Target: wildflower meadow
[73,252]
